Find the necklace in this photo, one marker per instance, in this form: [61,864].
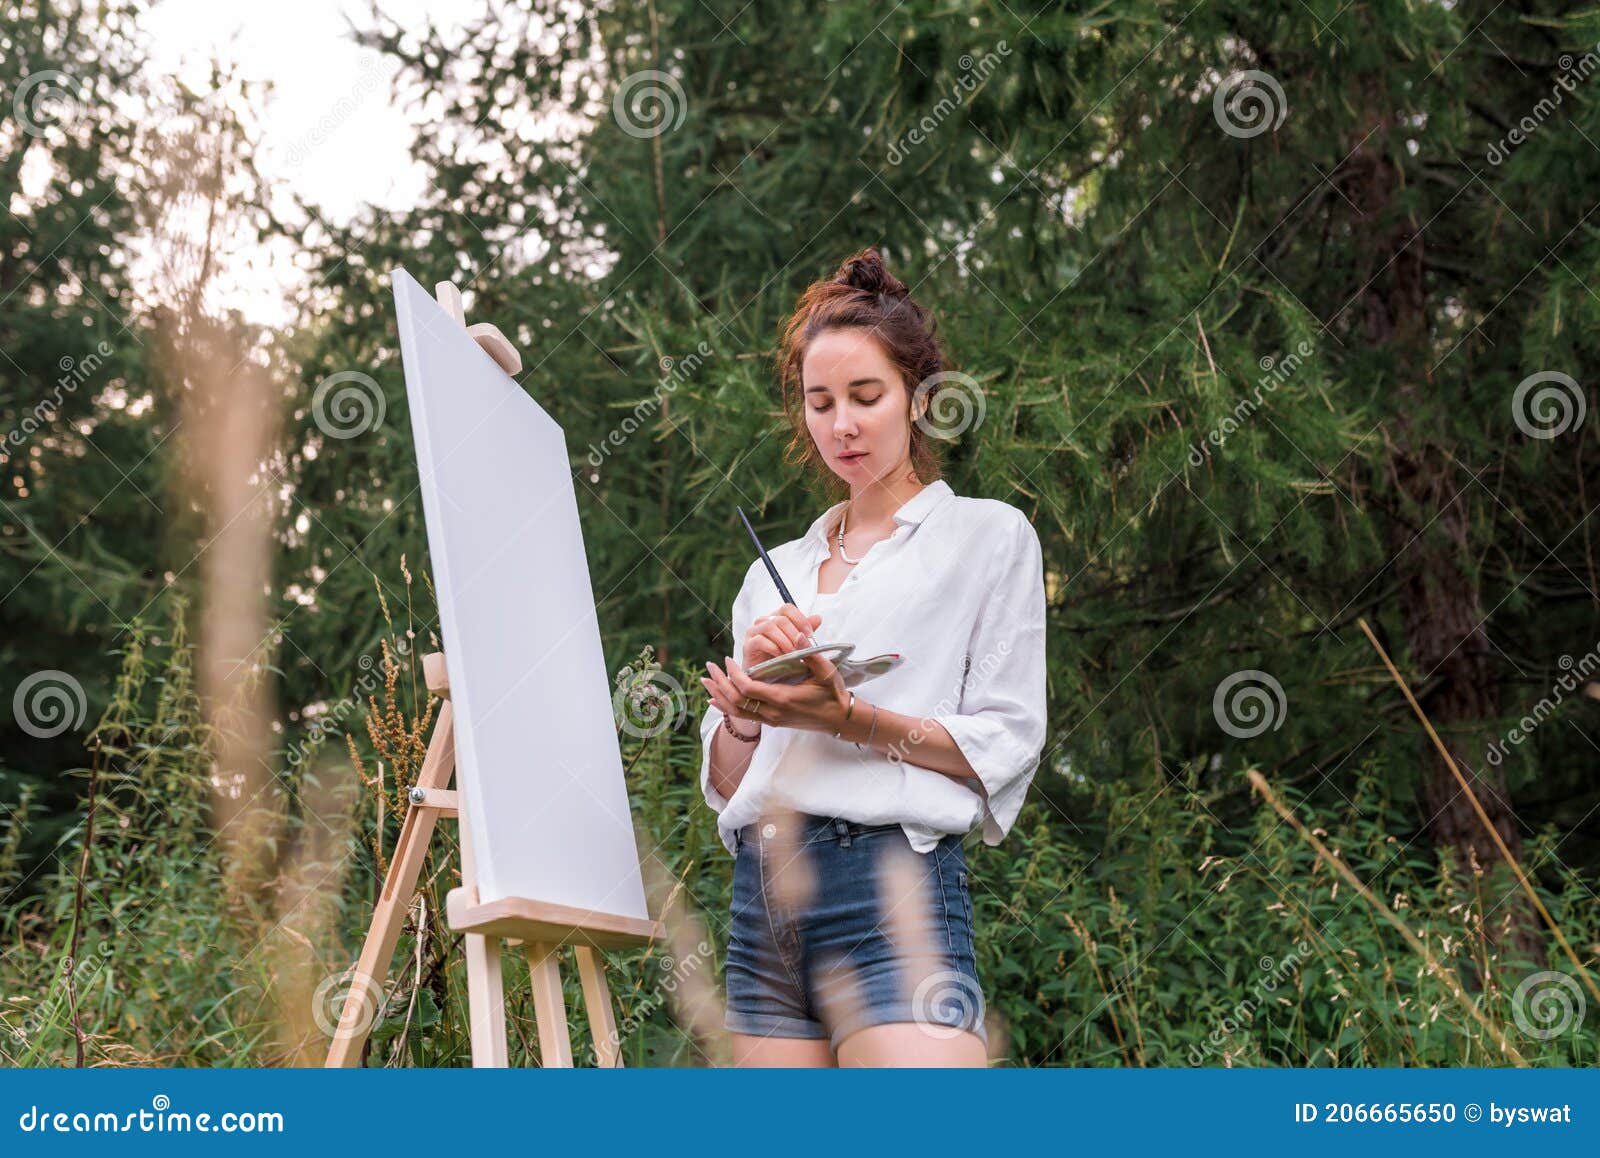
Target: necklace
[842,554]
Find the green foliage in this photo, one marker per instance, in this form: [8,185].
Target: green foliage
[155,961]
[1178,940]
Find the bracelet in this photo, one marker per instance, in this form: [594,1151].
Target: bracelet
[873,731]
[727,723]
[847,713]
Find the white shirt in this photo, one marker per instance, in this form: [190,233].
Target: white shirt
[959,585]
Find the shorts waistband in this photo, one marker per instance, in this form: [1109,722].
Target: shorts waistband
[813,829]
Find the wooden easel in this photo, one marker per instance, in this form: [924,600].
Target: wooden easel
[542,927]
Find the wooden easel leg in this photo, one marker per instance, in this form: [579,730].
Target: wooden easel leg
[486,1002]
[388,919]
[597,1000]
[486,990]
[549,1007]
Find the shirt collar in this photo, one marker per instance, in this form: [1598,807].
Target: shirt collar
[911,512]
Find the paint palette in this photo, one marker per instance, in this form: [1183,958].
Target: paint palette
[790,668]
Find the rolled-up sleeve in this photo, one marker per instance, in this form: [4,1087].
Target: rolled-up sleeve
[1000,725]
[742,615]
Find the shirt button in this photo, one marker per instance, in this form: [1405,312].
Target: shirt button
[769,831]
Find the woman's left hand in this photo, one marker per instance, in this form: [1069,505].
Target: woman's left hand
[817,705]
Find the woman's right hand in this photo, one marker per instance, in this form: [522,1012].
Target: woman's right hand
[778,633]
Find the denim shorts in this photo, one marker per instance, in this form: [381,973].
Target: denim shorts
[837,926]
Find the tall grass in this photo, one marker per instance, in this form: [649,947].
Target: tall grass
[1173,939]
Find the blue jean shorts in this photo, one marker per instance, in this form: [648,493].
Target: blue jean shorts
[838,926]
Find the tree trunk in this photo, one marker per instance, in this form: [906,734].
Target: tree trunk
[1427,534]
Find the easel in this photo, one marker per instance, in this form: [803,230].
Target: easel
[544,928]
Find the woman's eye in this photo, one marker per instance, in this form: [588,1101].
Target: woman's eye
[819,409]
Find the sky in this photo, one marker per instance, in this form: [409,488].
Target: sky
[338,159]
[330,127]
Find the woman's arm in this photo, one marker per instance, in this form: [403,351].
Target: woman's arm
[1001,723]
[725,758]
[924,742]
[730,758]
[903,737]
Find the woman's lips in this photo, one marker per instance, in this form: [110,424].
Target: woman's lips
[856,457]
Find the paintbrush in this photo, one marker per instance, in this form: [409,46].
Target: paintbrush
[765,558]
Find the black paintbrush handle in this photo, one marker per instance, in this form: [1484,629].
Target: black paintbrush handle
[762,551]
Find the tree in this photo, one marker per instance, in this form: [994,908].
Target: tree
[78,485]
[121,188]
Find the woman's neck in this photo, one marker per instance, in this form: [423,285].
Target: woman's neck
[872,507]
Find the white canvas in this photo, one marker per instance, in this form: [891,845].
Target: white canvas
[538,762]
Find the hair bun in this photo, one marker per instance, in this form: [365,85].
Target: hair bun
[866,271]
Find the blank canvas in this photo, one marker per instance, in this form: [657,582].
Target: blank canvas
[538,762]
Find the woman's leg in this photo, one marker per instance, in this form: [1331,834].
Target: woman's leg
[909,1044]
[767,1018]
[893,956]
[753,1052]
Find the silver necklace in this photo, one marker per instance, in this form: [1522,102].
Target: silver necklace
[842,554]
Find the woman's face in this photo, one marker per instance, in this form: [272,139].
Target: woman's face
[857,407]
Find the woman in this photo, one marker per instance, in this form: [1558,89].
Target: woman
[851,939]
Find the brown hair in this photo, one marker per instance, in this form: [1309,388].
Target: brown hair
[861,295]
